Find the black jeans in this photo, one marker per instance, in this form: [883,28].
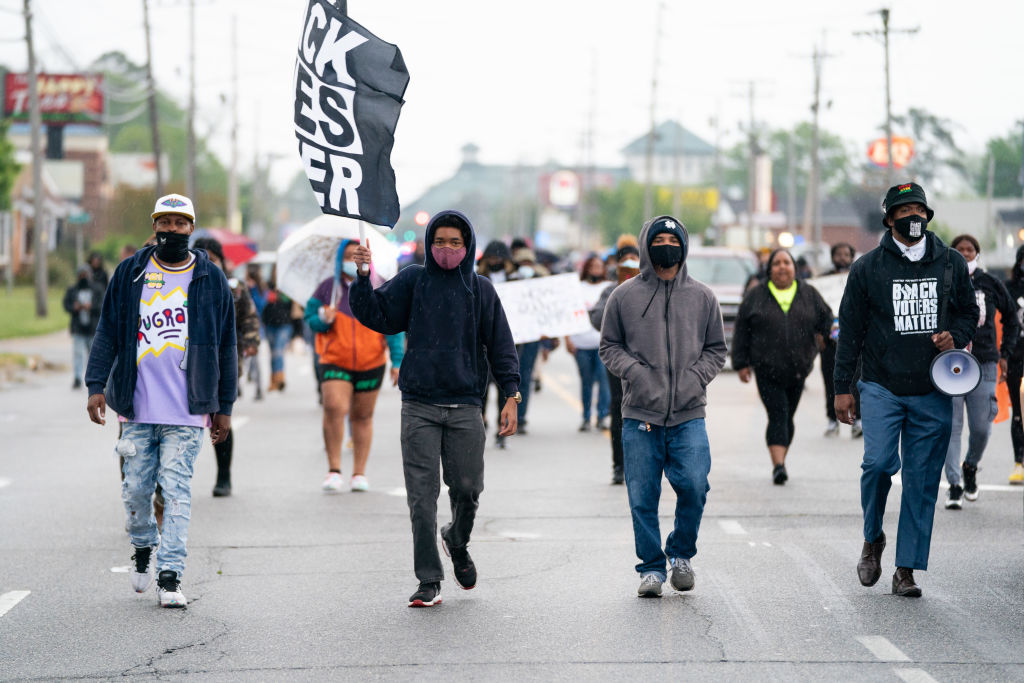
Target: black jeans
[615,411]
[828,368]
[780,401]
[1014,373]
[452,438]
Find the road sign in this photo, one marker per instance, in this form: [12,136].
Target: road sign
[902,152]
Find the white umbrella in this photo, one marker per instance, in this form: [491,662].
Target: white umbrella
[306,257]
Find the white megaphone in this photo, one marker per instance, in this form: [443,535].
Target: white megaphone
[955,372]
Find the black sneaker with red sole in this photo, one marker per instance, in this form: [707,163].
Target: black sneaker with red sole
[462,563]
[427,595]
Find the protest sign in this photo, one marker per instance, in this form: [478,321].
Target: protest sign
[831,288]
[349,86]
[544,307]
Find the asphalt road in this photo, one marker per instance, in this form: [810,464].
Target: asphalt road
[287,583]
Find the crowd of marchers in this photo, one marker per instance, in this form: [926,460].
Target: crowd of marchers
[165,340]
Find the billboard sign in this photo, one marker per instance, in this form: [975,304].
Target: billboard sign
[63,98]
[902,152]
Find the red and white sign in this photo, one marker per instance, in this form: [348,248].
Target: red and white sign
[63,98]
[902,152]
[564,189]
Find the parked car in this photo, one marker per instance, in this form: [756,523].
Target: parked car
[725,271]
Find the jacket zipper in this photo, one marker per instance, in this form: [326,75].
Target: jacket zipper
[668,344]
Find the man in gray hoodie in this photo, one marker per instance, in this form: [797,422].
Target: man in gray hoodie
[662,336]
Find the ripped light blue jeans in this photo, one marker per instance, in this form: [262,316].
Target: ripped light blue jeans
[165,455]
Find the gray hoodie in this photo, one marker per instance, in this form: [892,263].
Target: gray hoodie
[664,339]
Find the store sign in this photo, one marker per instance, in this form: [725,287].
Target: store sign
[63,98]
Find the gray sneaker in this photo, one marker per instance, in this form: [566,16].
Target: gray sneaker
[650,586]
[681,575]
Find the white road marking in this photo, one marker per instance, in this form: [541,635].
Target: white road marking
[914,675]
[121,570]
[239,422]
[4,482]
[881,648]
[766,544]
[897,480]
[10,599]
[731,526]
[398,493]
[519,534]
[751,544]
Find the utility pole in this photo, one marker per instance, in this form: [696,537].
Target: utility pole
[42,241]
[717,123]
[190,162]
[790,186]
[234,219]
[751,170]
[154,129]
[884,33]
[677,170]
[812,207]
[989,189]
[649,156]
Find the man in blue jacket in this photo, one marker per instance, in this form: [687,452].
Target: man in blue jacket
[456,330]
[167,330]
[906,300]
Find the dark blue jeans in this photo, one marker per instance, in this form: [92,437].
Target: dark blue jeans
[683,455]
[527,359]
[592,371]
[921,425]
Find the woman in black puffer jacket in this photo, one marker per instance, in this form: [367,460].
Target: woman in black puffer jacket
[780,328]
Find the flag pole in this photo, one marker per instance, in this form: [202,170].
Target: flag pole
[364,242]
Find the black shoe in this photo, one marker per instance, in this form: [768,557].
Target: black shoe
[779,475]
[521,429]
[602,424]
[427,595]
[585,426]
[870,566]
[903,583]
[954,498]
[617,477]
[222,489]
[499,441]
[536,386]
[970,482]
[465,570]
[77,384]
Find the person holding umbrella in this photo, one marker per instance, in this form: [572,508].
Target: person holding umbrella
[780,327]
[351,369]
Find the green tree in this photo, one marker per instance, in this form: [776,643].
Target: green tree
[621,210]
[1006,151]
[125,82]
[9,168]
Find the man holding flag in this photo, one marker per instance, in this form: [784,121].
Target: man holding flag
[456,329]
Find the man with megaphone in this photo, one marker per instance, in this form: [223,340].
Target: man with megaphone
[906,301]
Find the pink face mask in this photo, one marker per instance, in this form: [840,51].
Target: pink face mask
[448,258]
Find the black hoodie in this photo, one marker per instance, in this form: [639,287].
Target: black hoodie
[455,323]
[890,311]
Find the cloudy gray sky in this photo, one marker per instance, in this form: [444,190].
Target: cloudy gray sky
[522,79]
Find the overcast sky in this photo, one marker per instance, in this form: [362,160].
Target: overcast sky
[522,79]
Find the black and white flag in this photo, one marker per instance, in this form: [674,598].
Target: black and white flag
[349,86]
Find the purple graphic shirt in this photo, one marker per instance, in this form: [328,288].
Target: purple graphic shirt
[161,394]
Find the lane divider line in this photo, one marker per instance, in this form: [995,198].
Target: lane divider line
[4,482]
[11,598]
[731,526]
[914,675]
[882,649]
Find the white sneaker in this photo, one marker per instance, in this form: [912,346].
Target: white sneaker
[142,569]
[360,483]
[169,590]
[650,586]
[333,483]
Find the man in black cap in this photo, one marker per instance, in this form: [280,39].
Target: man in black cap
[662,336]
[905,301]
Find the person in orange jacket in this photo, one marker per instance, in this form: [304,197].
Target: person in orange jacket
[351,369]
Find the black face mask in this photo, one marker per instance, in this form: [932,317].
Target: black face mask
[911,228]
[171,247]
[666,255]
[495,267]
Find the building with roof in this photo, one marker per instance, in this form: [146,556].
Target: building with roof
[678,157]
